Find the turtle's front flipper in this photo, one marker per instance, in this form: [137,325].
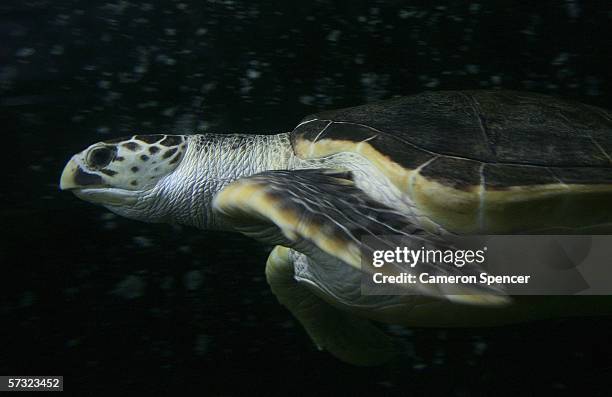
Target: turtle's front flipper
[323,214]
[314,209]
[348,337]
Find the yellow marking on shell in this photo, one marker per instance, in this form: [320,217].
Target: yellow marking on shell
[317,137]
[519,208]
[454,209]
[360,146]
[325,147]
[548,206]
[474,210]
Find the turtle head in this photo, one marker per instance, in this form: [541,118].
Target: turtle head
[170,178]
[121,173]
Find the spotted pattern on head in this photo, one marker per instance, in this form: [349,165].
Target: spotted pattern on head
[133,163]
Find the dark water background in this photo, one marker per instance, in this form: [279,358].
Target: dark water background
[113,304]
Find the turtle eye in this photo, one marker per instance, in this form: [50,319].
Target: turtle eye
[100,157]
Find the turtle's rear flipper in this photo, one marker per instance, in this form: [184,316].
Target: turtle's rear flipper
[350,338]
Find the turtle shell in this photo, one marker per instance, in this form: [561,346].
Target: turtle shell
[481,161]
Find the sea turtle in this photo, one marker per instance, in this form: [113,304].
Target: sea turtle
[428,165]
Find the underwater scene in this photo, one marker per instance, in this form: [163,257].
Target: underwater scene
[156,276]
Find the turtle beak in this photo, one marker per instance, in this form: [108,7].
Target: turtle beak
[73,177]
